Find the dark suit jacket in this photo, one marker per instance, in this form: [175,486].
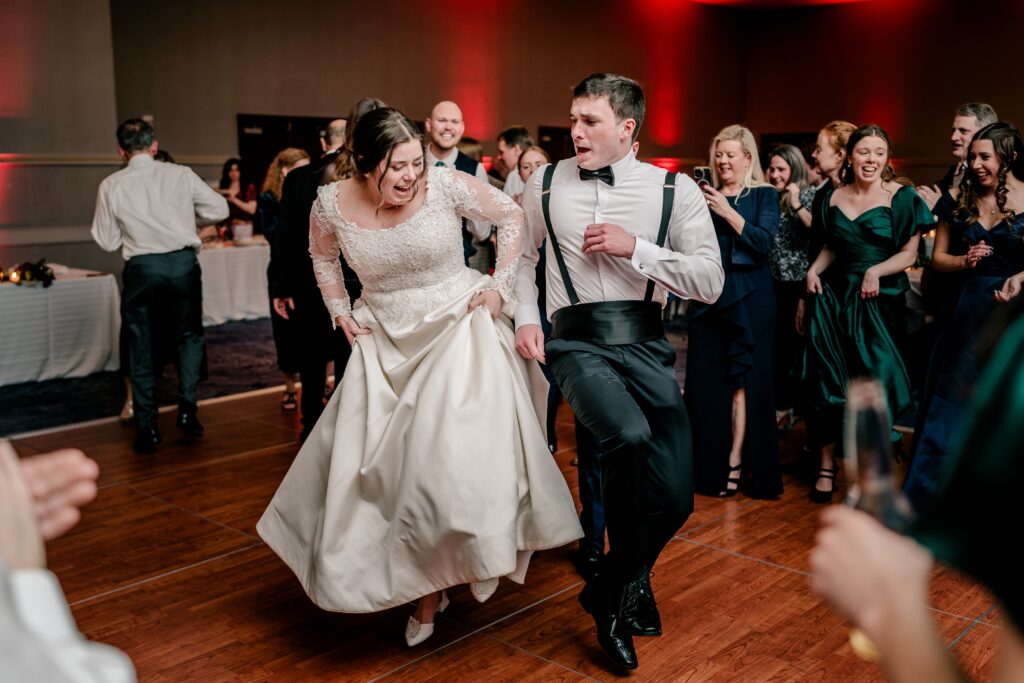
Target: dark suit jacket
[291,268]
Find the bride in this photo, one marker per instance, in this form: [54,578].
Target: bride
[429,467]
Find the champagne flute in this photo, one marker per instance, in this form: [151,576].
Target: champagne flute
[868,461]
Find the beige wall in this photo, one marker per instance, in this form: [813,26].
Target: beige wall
[72,70]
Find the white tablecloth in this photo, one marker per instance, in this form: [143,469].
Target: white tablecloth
[235,283]
[69,329]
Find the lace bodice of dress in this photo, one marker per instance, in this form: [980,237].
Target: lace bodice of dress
[410,269]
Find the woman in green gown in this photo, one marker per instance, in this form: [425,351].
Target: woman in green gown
[872,227]
[879,580]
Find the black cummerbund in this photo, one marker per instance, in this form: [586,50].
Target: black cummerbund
[609,322]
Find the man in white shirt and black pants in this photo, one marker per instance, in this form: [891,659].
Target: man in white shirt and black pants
[150,211]
[620,233]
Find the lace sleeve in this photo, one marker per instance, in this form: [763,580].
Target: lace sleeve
[479,201]
[324,250]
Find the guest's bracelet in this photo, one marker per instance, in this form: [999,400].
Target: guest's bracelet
[796,209]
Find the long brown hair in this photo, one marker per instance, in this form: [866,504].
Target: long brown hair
[1009,147]
[285,159]
[344,166]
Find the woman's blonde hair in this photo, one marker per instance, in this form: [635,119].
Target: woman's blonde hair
[285,159]
[754,175]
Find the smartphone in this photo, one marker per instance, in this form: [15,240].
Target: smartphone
[702,176]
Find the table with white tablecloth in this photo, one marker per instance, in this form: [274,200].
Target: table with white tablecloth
[235,283]
[69,329]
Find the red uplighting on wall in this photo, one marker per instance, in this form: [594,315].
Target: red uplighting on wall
[471,74]
[672,164]
[17,60]
[660,24]
[775,4]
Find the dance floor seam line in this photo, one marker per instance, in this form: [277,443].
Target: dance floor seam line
[477,630]
[193,512]
[541,657]
[743,556]
[157,577]
[715,520]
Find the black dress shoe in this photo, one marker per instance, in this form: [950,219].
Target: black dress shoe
[146,439]
[613,638]
[586,563]
[638,611]
[189,424]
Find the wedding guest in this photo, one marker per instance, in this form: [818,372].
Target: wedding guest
[472,148]
[788,261]
[293,284]
[241,195]
[149,211]
[879,580]
[40,498]
[729,389]
[445,127]
[286,341]
[989,219]
[872,226]
[968,119]
[512,142]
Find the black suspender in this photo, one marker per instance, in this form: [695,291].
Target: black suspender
[545,203]
[667,198]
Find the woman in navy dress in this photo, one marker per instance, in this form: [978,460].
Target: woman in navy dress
[729,359]
[987,219]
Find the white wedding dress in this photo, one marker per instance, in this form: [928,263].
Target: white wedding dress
[429,467]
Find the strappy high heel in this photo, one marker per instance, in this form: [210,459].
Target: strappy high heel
[732,480]
[823,497]
[415,632]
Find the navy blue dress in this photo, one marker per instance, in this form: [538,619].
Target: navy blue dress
[953,370]
[730,347]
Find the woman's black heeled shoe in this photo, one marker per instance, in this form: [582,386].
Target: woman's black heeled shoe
[823,497]
[733,480]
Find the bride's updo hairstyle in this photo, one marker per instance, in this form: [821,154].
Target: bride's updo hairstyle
[377,134]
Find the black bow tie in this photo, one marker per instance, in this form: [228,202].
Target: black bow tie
[603,174]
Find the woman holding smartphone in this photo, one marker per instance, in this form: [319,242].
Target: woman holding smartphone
[729,390]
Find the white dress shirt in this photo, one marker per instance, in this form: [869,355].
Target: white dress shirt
[152,207]
[513,183]
[689,265]
[481,229]
[39,640]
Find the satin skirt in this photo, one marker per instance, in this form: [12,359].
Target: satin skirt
[429,467]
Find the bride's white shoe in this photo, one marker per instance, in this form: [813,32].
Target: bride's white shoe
[482,590]
[415,632]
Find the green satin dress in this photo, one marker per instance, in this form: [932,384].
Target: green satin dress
[851,337]
[974,524]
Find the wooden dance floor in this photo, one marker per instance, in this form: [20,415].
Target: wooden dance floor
[166,565]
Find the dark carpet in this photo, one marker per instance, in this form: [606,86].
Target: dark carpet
[241,358]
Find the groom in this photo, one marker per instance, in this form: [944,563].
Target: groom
[620,233]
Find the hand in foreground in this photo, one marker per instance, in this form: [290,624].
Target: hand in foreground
[869,286]
[351,328]
[1011,288]
[801,311]
[530,342]
[608,238]
[21,544]
[59,483]
[867,572]
[930,195]
[282,305]
[489,299]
